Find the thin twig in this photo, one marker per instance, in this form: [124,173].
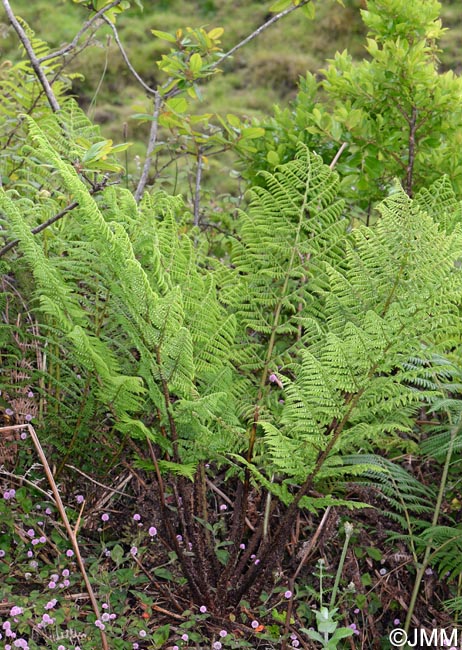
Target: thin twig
[151,145]
[93,190]
[258,31]
[32,58]
[65,520]
[197,189]
[124,494]
[22,479]
[226,498]
[338,154]
[147,88]
[86,26]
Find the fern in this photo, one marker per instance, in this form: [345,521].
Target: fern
[292,364]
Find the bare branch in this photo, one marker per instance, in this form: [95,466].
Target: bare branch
[197,191]
[338,154]
[147,88]
[151,144]
[54,218]
[73,44]
[32,58]
[259,30]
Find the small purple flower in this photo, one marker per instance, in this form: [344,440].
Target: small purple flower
[217,645]
[152,531]
[135,646]
[255,624]
[202,609]
[257,561]
[105,517]
[69,552]
[288,594]
[65,573]
[137,517]
[142,633]
[28,418]
[23,435]
[80,498]
[357,610]
[14,611]
[396,621]
[133,550]
[223,507]
[47,620]
[185,637]
[2,553]
[104,605]
[21,643]
[51,584]
[274,379]
[30,394]
[51,603]
[48,511]
[354,627]
[383,571]
[30,532]
[66,583]
[295,643]
[223,633]
[42,539]
[9,412]
[99,624]
[179,538]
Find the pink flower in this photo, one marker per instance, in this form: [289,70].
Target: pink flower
[274,379]
[105,517]
[152,531]
[288,594]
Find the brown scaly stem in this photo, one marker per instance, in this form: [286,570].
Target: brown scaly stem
[273,547]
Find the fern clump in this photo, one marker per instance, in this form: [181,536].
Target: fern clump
[285,363]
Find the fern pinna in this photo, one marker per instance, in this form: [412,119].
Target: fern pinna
[276,365]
